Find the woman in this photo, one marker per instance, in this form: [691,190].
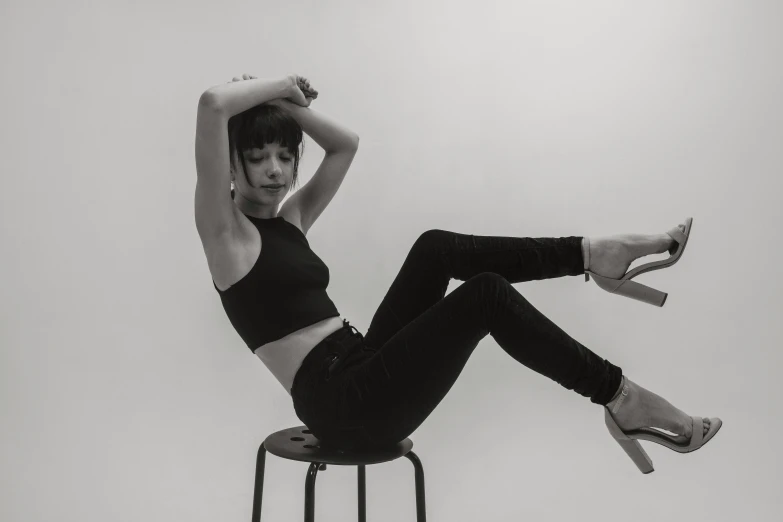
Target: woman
[356,391]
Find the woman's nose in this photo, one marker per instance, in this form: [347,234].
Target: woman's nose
[276,169]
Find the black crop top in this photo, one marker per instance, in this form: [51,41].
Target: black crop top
[283,292]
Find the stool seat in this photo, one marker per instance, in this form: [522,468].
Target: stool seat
[300,444]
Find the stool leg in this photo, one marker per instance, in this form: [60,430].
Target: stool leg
[312,472]
[258,490]
[421,512]
[362,495]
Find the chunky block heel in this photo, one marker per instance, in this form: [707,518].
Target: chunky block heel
[632,289]
[631,447]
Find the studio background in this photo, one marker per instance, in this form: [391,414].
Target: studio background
[126,395]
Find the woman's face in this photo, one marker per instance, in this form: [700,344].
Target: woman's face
[271,165]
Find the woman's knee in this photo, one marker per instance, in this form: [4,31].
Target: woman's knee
[490,279]
[431,242]
[431,236]
[482,297]
[489,288]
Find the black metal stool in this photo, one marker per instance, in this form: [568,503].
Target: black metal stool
[300,444]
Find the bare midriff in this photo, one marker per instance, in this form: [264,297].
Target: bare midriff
[284,357]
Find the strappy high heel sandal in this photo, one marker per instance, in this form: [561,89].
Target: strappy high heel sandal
[629,440]
[638,291]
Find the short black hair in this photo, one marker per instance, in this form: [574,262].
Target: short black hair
[262,124]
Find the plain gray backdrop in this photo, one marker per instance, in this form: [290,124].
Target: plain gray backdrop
[126,394]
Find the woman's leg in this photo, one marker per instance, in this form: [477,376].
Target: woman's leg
[422,340]
[438,256]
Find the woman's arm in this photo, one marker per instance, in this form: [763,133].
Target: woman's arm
[235,97]
[327,133]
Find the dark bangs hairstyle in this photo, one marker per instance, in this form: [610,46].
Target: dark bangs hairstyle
[260,125]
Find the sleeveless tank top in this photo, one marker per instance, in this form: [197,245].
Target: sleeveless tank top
[285,290]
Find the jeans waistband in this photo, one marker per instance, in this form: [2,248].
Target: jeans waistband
[329,354]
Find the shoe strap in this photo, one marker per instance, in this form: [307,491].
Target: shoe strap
[677,235]
[620,399]
[698,433]
[587,252]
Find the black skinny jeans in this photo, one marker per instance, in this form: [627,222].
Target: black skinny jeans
[358,392]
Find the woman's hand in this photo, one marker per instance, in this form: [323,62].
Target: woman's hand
[300,91]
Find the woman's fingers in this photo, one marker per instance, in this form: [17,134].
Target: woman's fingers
[243,77]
